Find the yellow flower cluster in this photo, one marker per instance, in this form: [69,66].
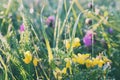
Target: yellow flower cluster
[82,59]
[75,43]
[58,73]
[90,62]
[28,58]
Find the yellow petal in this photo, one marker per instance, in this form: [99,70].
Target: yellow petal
[64,70]
[57,73]
[76,42]
[68,62]
[95,61]
[100,63]
[28,57]
[88,63]
[35,61]
[105,59]
[26,60]
[67,44]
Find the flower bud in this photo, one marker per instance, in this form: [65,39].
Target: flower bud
[50,21]
[88,21]
[90,5]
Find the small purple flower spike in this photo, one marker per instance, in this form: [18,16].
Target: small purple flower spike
[110,30]
[22,28]
[50,21]
[87,40]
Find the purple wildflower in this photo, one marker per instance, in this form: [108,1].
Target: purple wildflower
[89,33]
[50,21]
[87,40]
[22,28]
[110,30]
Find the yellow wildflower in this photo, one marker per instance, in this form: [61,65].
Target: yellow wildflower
[95,61]
[80,60]
[57,73]
[82,57]
[28,57]
[86,56]
[105,59]
[88,63]
[74,60]
[100,63]
[67,44]
[68,62]
[35,61]
[64,70]
[75,43]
